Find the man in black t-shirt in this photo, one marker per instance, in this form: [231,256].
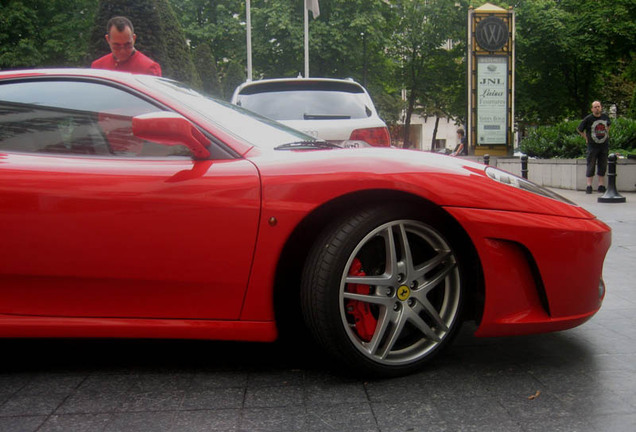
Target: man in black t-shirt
[595,129]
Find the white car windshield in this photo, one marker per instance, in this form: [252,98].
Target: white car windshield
[254,129]
[300,100]
[305,105]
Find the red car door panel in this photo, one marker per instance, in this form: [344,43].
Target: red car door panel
[110,237]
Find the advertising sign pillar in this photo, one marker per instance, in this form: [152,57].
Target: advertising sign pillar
[491,60]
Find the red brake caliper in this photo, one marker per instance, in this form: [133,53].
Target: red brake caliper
[360,311]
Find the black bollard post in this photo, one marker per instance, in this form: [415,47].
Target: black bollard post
[524,167]
[611,195]
[487,159]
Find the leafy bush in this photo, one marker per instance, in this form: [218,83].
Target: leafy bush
[562,141]
[623,135]
[558,141]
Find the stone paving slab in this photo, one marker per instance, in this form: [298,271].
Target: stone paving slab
[582,379]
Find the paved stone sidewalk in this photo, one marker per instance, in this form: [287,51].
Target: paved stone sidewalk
[582,379]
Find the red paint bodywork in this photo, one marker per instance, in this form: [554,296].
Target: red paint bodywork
[99,247]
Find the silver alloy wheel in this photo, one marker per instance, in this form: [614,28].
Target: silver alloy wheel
[408,289]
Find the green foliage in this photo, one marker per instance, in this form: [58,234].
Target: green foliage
[571,52]
[159,35]
[429,47]
[631,112]
[348,39]
[389,105]
[35,33]
[234,76]
[563,141]
[568,52]
[219,25]
[177,60]
[623,136]
[206,67]
[559,141]
[216,23]
[17,20]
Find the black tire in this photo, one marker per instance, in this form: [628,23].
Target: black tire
[382,290]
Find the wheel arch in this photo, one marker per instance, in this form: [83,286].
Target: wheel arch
[296,249]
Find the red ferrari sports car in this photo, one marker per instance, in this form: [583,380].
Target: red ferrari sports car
[132,206]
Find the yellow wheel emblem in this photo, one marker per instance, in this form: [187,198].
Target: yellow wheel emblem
[403,292]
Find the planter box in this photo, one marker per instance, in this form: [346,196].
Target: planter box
[567,173]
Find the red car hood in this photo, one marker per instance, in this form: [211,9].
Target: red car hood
[444,180]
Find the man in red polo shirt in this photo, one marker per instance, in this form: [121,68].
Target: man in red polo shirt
[124,57]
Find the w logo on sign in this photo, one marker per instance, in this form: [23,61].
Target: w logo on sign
[491,33]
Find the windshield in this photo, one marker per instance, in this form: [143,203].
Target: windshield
[257,130]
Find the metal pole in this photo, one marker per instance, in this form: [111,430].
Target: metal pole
[611,195]
[248,19]
[470,144]
[511,17]
[306,40]
[524,167]
[364,59]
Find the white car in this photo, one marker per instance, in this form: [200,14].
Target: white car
[335,110]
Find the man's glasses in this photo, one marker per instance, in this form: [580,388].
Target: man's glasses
[118,46]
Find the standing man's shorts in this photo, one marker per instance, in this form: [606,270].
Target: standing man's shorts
[597,156]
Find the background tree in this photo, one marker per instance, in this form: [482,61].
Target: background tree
[219,25]
[159,35]
[35,33]
[347,40]
[206,67]
[619,24]
[179,64]
[570,52]
[429,45]
[234,75]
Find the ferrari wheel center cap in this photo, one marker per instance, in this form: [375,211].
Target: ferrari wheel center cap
[403,292]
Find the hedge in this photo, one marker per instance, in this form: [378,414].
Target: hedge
[562,141]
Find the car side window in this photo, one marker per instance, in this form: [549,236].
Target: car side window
[76,118]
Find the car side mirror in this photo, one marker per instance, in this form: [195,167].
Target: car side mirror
[169,128]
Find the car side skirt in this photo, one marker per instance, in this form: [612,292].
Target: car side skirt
[46,327]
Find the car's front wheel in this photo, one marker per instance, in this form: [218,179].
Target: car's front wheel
[382,291]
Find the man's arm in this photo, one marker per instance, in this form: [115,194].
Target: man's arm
[155,69]
[581,129]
